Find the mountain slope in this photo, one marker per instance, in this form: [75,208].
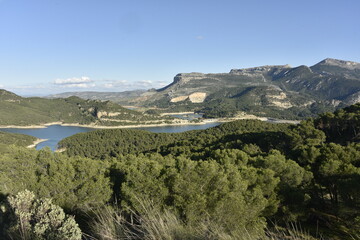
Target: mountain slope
[122,98]
[274,91]
[16,110]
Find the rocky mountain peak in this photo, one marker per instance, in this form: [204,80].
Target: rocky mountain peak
[259,70]
[340,63]
[186,77]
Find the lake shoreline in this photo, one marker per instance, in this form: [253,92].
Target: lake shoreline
[180,123]
[52,133]
[32,126]
[113,127]
[36,142]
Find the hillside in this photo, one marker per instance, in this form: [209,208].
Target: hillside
[16,139]
[8,140]
[279,91]
[19,111]
[306,173]
[122,98]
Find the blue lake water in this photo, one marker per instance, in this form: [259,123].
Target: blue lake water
[55,133]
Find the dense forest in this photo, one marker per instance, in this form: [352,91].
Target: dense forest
[241,180]
[22,140]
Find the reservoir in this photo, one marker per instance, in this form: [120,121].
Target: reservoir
[55,133]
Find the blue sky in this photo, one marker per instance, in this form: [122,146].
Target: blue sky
[52,46]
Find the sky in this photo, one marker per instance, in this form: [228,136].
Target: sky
[54,46]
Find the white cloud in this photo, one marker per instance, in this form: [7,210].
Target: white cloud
[73,81]
[199,37]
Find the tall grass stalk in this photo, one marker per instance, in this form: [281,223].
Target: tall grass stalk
[292,231]
[110,223]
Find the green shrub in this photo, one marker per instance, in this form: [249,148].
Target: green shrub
[40,219]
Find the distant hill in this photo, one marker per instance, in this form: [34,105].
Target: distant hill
[276,91]
[19,111]
[122,98]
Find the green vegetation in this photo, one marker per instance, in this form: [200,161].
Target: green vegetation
[257,100]
[101,144]
[18,111]
[233,181]
[72,182]
[39,219]
[342,126]
[16,139]
[8,139]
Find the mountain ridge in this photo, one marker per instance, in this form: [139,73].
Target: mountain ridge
[273,90]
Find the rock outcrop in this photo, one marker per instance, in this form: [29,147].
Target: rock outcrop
[340,63]
[196,97]
[186,77]
[259,70]
[179,99]
[101,114]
